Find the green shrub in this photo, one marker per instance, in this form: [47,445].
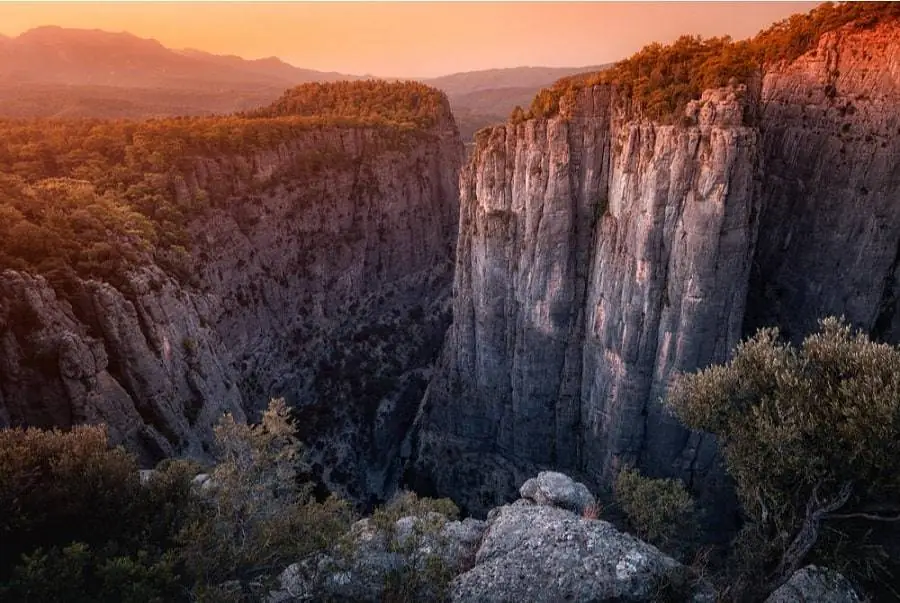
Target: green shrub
[809,435]
[408,504]
[661,511]
[256,518]
[76,522]
[62,487]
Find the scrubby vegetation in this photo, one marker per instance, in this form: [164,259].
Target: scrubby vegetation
[80,524]
[660,511]
[136,171]
[660,80]
[809,435]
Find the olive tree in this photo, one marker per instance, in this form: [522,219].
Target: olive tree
[810,436]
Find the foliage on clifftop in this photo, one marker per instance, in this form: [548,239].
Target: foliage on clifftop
[661,79]
[368,101]
[135,169]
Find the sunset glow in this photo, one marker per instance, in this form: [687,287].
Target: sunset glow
[408,39]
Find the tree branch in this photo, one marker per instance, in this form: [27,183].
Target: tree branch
[805,539]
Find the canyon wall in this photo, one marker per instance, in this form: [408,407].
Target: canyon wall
[322,274]
[600,254]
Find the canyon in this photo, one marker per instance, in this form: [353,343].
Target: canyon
[328,287]
[462,327]
[600,254]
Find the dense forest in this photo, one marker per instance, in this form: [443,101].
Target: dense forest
[90,195]
[661,79]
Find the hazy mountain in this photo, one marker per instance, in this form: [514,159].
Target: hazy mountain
[271,66]
[59,72]
[484,98]
[94,57]
[513,77]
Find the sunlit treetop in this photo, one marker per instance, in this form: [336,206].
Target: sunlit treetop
[661,79]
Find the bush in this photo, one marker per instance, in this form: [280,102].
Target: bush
[256,518]
[423,576]
[809,435]
[61,487]
[661,511]
[76,523]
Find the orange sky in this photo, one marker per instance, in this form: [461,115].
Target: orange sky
[409,39]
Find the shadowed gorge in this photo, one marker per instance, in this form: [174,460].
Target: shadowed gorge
[215,262]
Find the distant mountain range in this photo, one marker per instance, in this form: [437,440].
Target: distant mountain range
[58,72]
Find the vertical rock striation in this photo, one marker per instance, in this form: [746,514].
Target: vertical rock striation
[831,222]
[599,254]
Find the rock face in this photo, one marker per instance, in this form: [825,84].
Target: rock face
[829,231]
[322,275]
[600,254]
[815,584]
[142,359]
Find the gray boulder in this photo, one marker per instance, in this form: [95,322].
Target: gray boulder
[557,490]
[817,584]
[542,553]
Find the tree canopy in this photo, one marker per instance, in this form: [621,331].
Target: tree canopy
[809,435]
[660,80]
[92,196]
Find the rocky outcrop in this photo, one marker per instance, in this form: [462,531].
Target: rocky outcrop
[525,551]
[818,584]
[541,553]
[600,254]
[141,358]
[321,274]
[428,547]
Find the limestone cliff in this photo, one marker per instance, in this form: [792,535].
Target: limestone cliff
[600,253]
[829,231]
[322,274]
[142,359]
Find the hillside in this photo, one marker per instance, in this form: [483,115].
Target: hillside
[93,57]
[59,72]
[155,274]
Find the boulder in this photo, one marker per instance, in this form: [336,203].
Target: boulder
[542,553]
[557,490]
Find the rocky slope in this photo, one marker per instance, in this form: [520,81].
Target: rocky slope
[323,276]
[599,254]
[542,547]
